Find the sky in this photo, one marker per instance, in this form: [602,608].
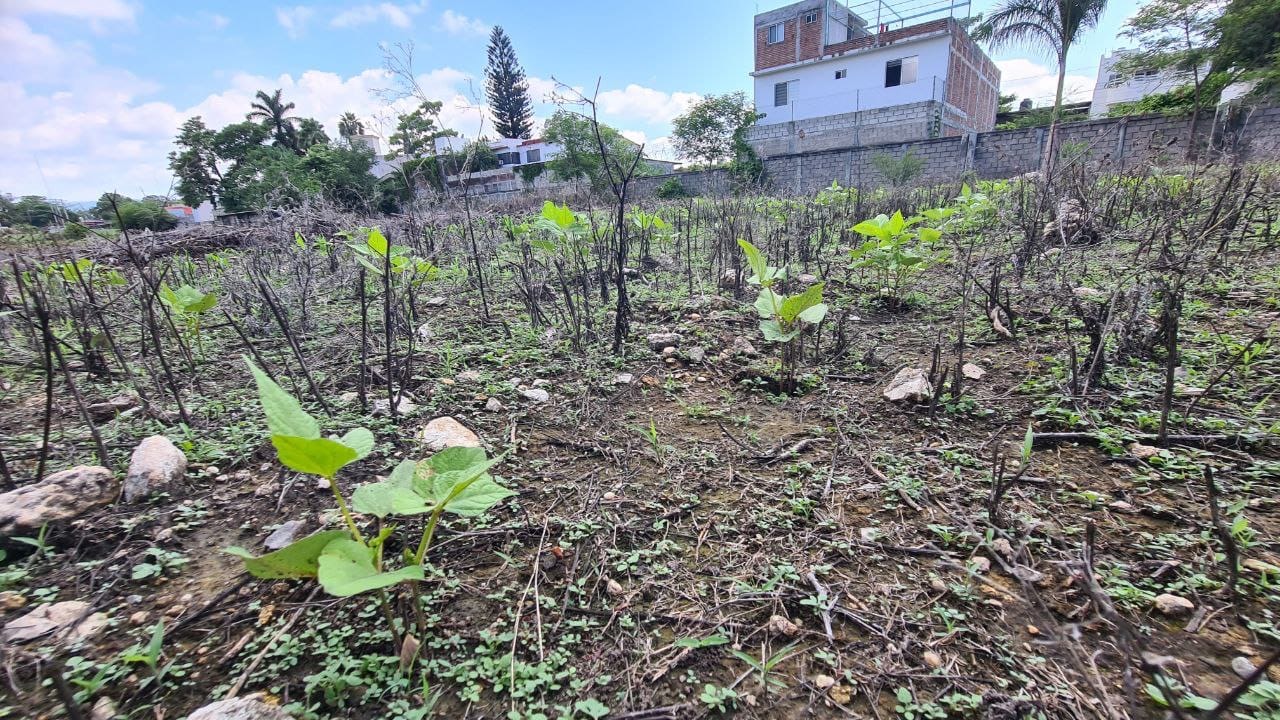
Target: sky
[93,91]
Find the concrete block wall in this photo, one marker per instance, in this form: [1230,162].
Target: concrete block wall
[913,121]
[1113,143]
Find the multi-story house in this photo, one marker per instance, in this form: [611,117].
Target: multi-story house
[827,78]
[1117,84]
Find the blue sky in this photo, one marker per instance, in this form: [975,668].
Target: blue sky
[93,90]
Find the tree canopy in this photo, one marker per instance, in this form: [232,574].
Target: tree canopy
[416,132]
[713,129]
[507,89]
[580,157]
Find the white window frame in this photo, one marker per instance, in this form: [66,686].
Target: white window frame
[785,94]
[842,73]
[782,34]
[908,72]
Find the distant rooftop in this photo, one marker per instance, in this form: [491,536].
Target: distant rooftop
[877,14]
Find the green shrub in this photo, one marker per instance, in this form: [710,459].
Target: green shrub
[672,188]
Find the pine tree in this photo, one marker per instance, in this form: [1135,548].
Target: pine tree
[507,89]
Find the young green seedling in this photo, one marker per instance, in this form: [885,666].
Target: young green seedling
[189,303]
[782,317]
[346,562]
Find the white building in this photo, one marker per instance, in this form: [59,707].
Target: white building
[823,79]
[1114,86]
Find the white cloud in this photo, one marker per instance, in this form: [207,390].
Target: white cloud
[1028,79]
[218,21]
[659,148]
[457,24]
[400,16]
[81,9]
[645,104]
[294,19]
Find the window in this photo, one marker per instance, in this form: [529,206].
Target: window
[901,72]
[509,158]
[777,33]
[811,17]
[779,94]
[533,156]
[842,74]
[848,32]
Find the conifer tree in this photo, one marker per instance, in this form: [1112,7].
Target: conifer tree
[507,89]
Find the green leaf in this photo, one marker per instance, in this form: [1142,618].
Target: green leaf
[755,260]
[359,439]
[317,456]
[767,303]
[377,242]
[383,499]
[347,568]
[896,223]
[773,332]
[393,496]
[929,234]
[796,304]
[561,215]
[1027,441]
[457,478]
[871,228]
[813,315]
[285,415]
[298,560]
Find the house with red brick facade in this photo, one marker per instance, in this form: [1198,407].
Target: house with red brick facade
[826,77]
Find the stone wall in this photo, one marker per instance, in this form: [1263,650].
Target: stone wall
[1117,144]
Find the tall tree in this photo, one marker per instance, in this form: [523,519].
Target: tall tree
[272,112]
[713,129]
[1044,25]
[309,134]
[507,89]
[349,125]
[1248,34]
[195,163]
[1176,36]
[416,132]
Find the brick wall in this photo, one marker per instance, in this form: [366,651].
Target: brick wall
[973,83]
[1113,143]
[886,38]
[781,53]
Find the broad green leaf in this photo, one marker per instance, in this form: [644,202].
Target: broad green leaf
[347,568]
[456,458]
[813,315]
[759,267]
[285,415]
[377,242]
[205,302]
[871,228]
[481,494]
[768,302]
[896,223]
[360,440]
[317,456]
[796,304]
[929,234]
[297,560]
[773,332]
[387,498]
[561,215]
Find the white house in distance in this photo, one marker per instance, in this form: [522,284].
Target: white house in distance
[1114,86]
[828,75]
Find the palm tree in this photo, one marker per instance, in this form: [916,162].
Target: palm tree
[1042,24]
[349,125]
[271,110]
[310,133]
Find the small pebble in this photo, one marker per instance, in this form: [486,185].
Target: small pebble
[1242,667]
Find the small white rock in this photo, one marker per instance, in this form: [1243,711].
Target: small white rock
[1173,605]
[973,372]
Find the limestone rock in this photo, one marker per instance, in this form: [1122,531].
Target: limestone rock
[971,371]
[909,384]
[1242,666]
[1143,452]
[494,405]
[425,333]
[68,615]
[104,709]
[114,406]
[658,341]
[1072,225]
[405,405]
[537,395]
[624,379]
[783,626]
[156,463]
[469,376]
[445,432]
[249,707]
[1088,293]
[696,354]
[284,535]
[437,301]
[742,347]
[805,279]
[728,279]
[1173,605]
[11,600]
[60,496]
